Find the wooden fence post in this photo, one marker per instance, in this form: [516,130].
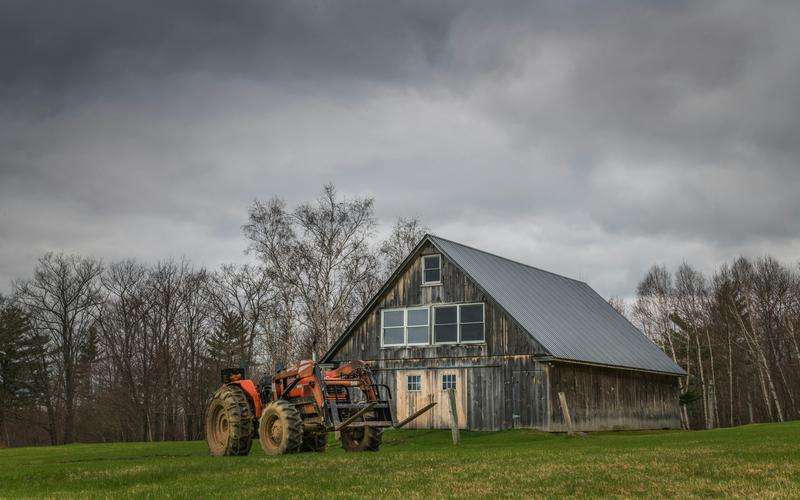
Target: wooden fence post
[565,410]
[453,416]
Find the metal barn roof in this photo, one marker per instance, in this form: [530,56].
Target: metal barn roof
[566,316]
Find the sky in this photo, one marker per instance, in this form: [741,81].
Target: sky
[592,139]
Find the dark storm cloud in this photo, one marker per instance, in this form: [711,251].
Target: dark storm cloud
[61,44]
[592,139]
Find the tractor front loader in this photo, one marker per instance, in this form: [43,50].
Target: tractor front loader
[294,410]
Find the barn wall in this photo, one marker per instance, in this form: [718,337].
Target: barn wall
[609,399]
[496,392]
[501,377]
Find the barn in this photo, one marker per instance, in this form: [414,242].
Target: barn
[512,340]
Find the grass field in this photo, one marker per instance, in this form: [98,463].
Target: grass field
[756,460]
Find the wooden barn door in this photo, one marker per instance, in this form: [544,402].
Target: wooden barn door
[527,398]
[417,388]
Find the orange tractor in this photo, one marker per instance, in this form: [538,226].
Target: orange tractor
[295,410]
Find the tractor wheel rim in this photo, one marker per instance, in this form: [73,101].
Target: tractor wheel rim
[220,430]
[275,432]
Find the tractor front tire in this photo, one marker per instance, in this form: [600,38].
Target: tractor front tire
[229,422]
[362,438]
[280,429]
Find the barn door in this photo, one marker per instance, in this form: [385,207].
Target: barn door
[417,388]
[527,398]
[444,380]
[412,394]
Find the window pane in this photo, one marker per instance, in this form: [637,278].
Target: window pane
[472,314]
[392,318]
[432,276]
[444,315]
[414,383]
[393,336]
[471,332]
[446,333]
[417,317]
[418,335]
[448,382]
[431,262]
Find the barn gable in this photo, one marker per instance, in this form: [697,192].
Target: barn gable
[405,289]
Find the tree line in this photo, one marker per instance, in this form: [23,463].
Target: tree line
[131,351]
[735,332]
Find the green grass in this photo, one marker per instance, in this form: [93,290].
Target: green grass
[755,460]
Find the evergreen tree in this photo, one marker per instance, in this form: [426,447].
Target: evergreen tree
[21,351]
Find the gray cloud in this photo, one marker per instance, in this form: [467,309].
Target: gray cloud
[590,140]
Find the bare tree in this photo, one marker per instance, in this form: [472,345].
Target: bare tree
[321,250]
[62,299]
[619,305]
[406,233]
[240,297]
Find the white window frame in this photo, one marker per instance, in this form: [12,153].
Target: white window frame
[405,335]
[406,326]
[432,321]
[432,283]
[408,385]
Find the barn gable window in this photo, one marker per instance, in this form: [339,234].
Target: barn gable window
[445,324]
[432,269]
[470,322]
[402,327]
[417,326]
[393,325]
[414,383]
[455,324]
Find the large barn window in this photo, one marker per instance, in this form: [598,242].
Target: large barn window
[431,269]
[450,324]
[458,324]
[402,327]
[417,326]
[445,324]
[471,323]
[393,325]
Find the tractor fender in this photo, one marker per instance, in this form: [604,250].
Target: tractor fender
[251,391]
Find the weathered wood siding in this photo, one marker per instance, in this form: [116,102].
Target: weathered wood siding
[496,392]
[607,399]
[500,382]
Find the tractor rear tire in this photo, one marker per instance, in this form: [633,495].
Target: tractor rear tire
[362,438]
[280,429]
[317,442]
[229,422]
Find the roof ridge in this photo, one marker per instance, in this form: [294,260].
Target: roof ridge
[430,235]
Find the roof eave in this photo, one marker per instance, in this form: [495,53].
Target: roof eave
[682,373]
